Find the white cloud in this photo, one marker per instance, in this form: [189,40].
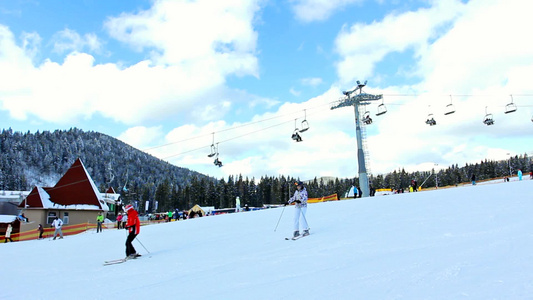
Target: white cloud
[318,10]
[194,34]
[398,139]
[464,58]
[140,136]
[362,46]
[294,92]
[313,81]
[69,40]
[186,67]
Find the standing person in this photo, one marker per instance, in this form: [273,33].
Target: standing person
[119,220]
[99,221]
[41,231]
[414,184]
[300,198]
[519,174]
[124,220]
[237,204]
[473,179]
[9,229]
[58,223]
[133,226]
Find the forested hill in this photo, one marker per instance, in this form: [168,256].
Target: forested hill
[41,158]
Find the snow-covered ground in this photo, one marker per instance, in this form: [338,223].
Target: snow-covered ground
[470,242]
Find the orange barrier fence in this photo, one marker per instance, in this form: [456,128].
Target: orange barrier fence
[68,230]
[323,199]
[48,232]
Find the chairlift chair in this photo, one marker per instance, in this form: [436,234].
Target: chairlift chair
[450,109]
[213,151]
[488,120]
[305,124]
[295,136]
[213,148]
[366,118]
[431,121]
[217,162]
[382,109]
[511,107]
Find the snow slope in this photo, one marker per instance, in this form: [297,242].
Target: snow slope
[472,242]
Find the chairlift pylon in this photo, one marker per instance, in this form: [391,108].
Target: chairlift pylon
[488,119]
[382,109]
[305,124]
[450,109]
[511,107]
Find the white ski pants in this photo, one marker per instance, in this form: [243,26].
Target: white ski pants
[300,212]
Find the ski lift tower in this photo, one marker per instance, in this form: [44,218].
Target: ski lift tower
[356,99]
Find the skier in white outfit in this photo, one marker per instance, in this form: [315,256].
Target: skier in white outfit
[300,198]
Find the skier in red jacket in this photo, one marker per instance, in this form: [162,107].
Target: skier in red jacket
[133,226]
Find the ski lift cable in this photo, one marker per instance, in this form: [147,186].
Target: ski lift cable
[292,113]
[227,140]
[235,127]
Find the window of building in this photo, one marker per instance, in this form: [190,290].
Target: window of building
[65,218]
[51,217]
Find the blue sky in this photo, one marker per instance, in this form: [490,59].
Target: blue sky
[155,73]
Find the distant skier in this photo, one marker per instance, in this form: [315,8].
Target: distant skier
[9,229]
[58,223]
[134,227]
[473,179]
[41,231]
[99,221]
[119,221]
[237,204]
[519,174]
[300,198]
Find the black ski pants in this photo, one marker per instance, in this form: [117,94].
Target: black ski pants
[129,246]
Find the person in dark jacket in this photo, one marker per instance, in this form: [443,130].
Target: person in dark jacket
[41,231]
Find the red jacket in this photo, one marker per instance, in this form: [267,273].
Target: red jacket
[133,224]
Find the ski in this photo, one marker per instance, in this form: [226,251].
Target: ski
[119,261]
[296,237]
[114,262]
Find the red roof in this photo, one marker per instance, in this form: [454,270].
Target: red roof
[75,188]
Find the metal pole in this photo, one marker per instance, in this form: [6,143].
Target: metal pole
[279,218]
[363,177]
[142,245]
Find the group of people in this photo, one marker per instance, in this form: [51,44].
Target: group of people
[130,221]
[122,219]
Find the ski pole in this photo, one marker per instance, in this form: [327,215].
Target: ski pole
[303,215]
[142,245]
[279,218]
